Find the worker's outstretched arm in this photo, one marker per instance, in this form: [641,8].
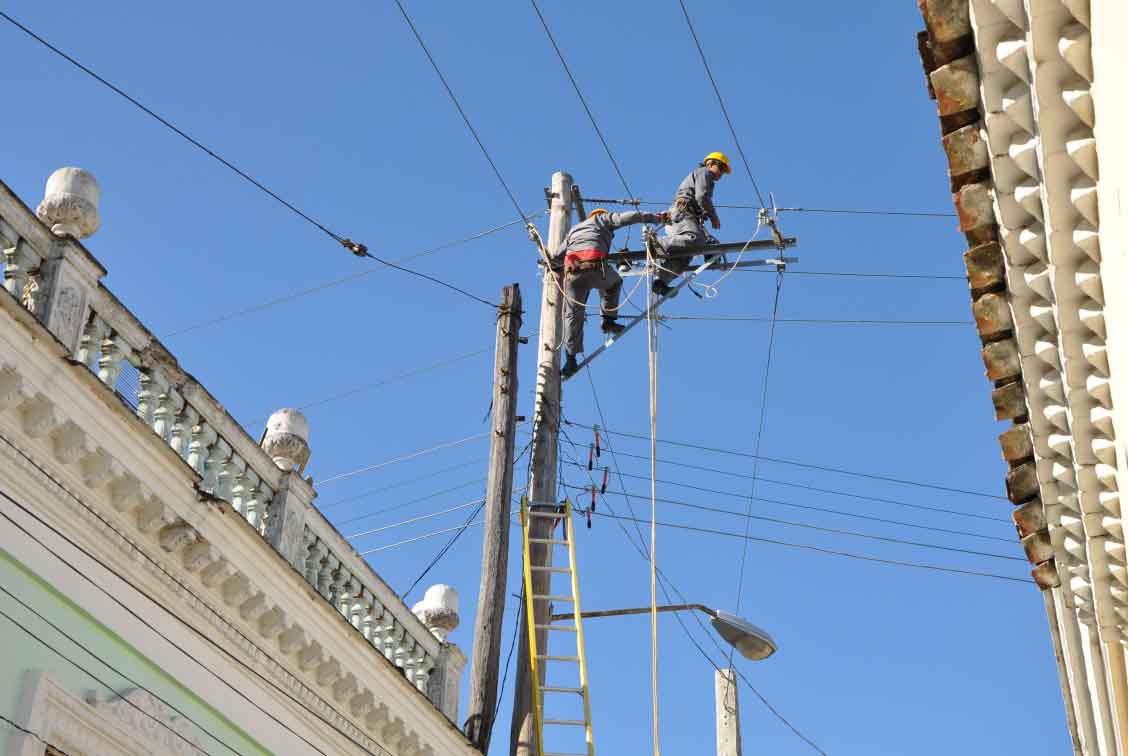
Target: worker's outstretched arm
[618,220]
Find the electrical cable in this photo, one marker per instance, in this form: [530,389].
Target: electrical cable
[826,510]
[425,536]
[823,468]
[655,203]
[832,552]
[426,277]
[171,126]
[110,667]
[408,503]
[583,100]
[721,101]
[403,458]
[763,414]
[843,274]
[836,531]
[298,294]
[443,551]
[667,585]
[400,484]
[417,518]
[461,112]
[817,321]
[186,589]
[831,491]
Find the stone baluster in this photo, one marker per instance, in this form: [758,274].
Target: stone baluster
[317,551]
[216,469]
[239,484]
[421,667]
[325,576]
[199,448]
[338,590]
[112,351]
[393,636]
[248,503]
[182,428]
[348,602]
[90,341]
[401,656]
[146,399]
[163,407]
[21,273]
[369,614]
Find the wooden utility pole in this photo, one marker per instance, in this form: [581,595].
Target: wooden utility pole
[544,450]
[495,532]
[728,713]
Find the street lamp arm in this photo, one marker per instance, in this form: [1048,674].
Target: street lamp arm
[639,610]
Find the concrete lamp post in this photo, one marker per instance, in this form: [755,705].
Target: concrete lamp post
[752,642]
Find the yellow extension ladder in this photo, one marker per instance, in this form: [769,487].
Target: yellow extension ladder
[539,658]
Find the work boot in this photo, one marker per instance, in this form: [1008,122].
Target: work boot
[611,327]
[661,288]
[571,367]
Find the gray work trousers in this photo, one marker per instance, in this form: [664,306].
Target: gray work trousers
[578,286]
[685,233]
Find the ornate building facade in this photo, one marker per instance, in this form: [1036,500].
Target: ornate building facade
[167,585]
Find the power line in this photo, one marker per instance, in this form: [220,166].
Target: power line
[443,550]
[298,294]
[821,550]
[187,590]
[417,518]
[401,505]
[396,377]
[400,484]
[404,458]
[793,463]
[358,249]
[826,510]
[667,461]
[666,584]
[836,531]
[34,636]
[816,321]
[738,206]
[845,274]
[721,102]
[176,129]
[583,100]
[461,112]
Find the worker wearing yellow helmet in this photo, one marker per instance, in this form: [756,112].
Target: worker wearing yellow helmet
[693,203]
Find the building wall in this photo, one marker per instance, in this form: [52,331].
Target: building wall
[39,647]
[1110,82]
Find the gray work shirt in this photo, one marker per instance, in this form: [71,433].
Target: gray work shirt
[598,231]
[698,186]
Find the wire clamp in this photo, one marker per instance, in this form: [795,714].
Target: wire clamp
[356,248]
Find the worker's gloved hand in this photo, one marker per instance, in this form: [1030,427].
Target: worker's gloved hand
[663,217]
[716,223]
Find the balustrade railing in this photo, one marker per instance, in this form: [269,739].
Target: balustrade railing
[56,280]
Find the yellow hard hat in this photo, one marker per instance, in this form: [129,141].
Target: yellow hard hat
[721,158]
[597,211]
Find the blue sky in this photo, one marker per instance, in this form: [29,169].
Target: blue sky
[337,110]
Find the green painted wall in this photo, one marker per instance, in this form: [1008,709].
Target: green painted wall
[20,652]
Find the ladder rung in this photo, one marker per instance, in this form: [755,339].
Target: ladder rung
[546,753]
[553,598]
[555,689]
[558,658]
[569,722]
[551,569]
[548,540]
[570,629]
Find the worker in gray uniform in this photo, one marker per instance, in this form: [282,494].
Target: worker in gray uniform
[584,254]
[693,203]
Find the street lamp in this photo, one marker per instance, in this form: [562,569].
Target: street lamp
[751,641]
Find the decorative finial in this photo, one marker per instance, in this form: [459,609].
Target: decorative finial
[70,203]
[438,610]
[286,439]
